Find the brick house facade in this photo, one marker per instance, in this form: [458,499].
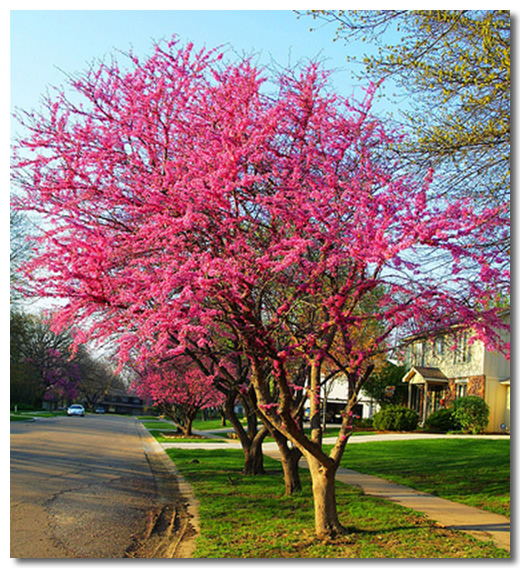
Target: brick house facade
[449,366]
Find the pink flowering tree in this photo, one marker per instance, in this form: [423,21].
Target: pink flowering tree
[180,390]
[190,198]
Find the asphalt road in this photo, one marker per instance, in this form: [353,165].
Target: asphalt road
[80,487]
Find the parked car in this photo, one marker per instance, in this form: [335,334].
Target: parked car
[76,410]
[100,410]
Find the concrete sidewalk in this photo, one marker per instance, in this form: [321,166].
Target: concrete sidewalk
[481,524]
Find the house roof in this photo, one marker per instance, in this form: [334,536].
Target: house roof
[427,374]
[445,330]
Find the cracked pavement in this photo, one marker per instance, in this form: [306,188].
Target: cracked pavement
[80,487]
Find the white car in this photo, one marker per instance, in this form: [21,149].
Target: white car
[75,410]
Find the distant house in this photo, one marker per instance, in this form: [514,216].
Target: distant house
[335,394]
[447,365]
[118,401]
[337,398]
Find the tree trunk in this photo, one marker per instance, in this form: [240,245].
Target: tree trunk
[327,524]
[291,472]
[290,461]
[254,456]
[315,405]
[251,439]
[187,427]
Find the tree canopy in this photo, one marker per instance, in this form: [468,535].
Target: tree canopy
[197,203]
[454,65]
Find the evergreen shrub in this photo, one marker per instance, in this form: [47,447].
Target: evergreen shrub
[396,418]
[472,413]
[442,421]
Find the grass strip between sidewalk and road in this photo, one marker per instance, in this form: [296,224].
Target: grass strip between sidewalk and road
[162,437]
[198,424]
[249,517]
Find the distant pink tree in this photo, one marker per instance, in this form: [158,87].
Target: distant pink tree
[189,199]
[179,390]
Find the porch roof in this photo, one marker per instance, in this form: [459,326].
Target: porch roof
[421,375]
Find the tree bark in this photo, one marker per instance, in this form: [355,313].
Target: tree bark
[291,469]
[254,455]
[251,440]
[188,427]
[315,404]
[327,524]
[290,458]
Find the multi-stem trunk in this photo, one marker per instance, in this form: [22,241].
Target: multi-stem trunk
[188,428]
[183,420]
[251,440]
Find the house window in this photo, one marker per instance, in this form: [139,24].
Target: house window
[439,346]
[461,388]
[418,353]
[463,351]
[436,396]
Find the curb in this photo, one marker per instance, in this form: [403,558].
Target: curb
[163,469]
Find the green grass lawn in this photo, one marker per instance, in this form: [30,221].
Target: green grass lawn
[329,433]
[20,417]
[249,517]
[475,472]
[162,438]
[159,425]
[198,424]
[29,415]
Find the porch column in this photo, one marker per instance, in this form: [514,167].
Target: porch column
[409,394]
[425,402]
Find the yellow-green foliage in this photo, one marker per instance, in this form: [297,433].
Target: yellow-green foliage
[455,64]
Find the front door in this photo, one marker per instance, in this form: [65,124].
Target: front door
[436,394]
[416,402]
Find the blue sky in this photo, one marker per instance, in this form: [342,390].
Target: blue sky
[46,43]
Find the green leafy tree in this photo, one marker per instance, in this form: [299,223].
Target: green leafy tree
[454,66]
[385,385]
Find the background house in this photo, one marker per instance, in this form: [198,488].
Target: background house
[335,395]
[119,401]
[449,365]
[337,398]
